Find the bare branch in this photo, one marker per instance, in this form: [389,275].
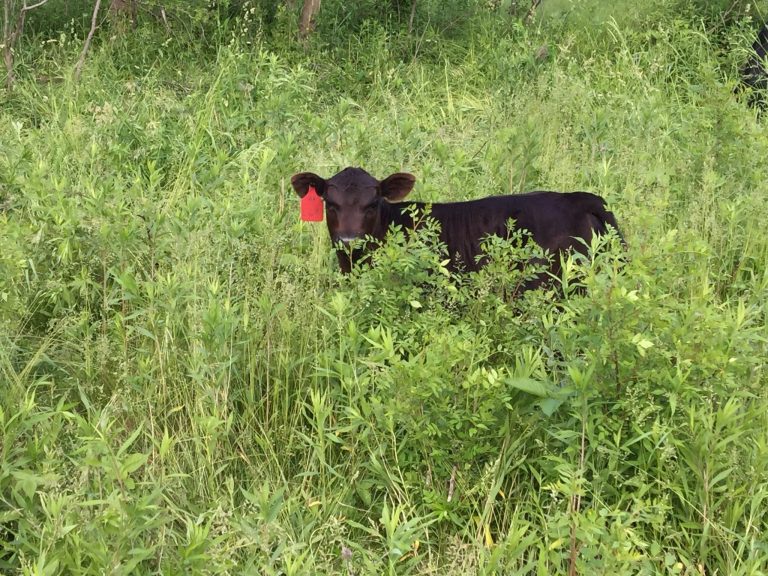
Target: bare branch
[452,482]
[91,32]
[17,30]
[165,20]
[729,10]
[33,6]
[532,10]
[575,504]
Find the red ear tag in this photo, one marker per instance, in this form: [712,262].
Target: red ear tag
[311,206]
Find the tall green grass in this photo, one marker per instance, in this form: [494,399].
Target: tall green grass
[189,386]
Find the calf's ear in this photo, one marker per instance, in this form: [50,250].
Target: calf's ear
[397,186]
[303,180]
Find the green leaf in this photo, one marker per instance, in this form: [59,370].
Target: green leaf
[133,462]
[27,481]
[549,405]
[529,385]
[131,439]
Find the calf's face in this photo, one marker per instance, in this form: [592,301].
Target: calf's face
[353,200]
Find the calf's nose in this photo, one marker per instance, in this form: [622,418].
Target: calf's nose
[346,239]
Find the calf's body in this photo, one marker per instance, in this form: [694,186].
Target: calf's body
[754,74]
[357,205]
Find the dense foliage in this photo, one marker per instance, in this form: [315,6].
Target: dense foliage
[188,385]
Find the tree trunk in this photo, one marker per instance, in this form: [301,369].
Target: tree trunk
[308,13]
[122,8]
[7,51]
[413,14]
[8,57]
[12,32]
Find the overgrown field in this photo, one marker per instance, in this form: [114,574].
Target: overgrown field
[189,386]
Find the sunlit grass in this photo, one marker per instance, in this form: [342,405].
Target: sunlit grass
[189,386]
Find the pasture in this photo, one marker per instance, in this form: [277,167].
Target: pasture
[188,385]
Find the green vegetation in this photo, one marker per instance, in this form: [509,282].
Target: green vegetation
[188,385]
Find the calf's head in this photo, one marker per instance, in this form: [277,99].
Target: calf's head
[354,201]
